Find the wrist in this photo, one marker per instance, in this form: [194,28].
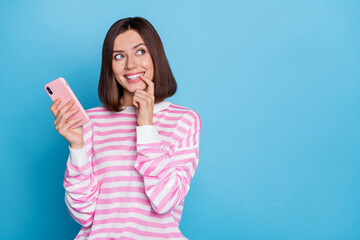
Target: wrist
[76,146]
[143,124]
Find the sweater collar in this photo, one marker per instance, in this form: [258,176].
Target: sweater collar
[157,107]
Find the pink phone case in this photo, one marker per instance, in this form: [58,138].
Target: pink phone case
[60,88]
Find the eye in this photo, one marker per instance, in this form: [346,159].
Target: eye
[118,56]
[140,52]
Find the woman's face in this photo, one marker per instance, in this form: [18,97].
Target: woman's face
[130,59]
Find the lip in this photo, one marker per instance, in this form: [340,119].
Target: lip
[133,80]
[131,74]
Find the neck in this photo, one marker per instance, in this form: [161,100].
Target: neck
[127,99]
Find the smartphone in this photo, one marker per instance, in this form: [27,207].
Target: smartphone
[59,88]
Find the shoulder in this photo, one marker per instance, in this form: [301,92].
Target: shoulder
[96,111]
[100,113]
[189,115]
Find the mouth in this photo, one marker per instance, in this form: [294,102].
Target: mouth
[133,77]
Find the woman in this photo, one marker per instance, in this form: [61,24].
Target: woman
[130,167]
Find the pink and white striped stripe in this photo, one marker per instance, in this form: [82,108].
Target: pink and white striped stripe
[130,181]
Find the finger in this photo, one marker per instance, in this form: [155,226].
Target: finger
[144,94]
[67,115]
[68,124]
[135,103]
[63,110]
[139,101]
[140,92]
[144,99]
[150,84]
[54,106]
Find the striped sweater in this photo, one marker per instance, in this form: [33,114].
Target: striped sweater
[130,181]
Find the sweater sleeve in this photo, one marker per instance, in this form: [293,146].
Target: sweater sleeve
[167,174]
[81,187]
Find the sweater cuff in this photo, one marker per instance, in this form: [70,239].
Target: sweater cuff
[78,157]
[147,134]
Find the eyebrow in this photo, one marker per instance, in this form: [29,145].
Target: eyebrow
[137,45]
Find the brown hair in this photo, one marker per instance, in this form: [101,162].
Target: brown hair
[109,90]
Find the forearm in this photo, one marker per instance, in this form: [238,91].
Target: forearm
[81,187]
[167,176]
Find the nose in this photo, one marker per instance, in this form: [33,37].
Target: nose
[130,63]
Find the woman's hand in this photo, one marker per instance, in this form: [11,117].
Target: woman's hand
[73,135]
[144,102]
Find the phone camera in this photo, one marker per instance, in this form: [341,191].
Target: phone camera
[49,90]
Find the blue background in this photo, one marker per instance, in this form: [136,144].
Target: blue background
[276,84]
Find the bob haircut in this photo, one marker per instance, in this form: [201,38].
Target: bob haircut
[110,91]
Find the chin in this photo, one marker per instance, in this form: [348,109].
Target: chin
[141,85]
[134,88]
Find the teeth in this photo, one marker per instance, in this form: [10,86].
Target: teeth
[134,76]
